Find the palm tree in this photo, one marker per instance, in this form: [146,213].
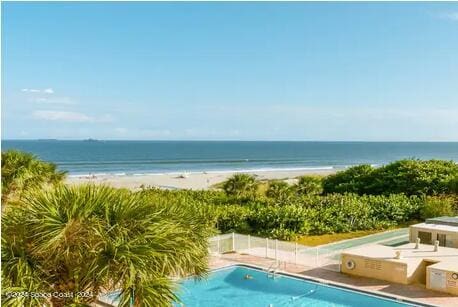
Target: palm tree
[308,185]
[241,185]
[22,171]
[99,239]
[279,190]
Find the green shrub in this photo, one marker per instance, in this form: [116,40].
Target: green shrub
[410,177]
[23,172]
[396,208]
[438,206]
[279,190]
[356,179]
[340,213]
[414,177]
[233,218]
[298,214]
[241,186]
[309,185]
[452,184]
[279,222]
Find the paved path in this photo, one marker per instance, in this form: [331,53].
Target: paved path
[411,292]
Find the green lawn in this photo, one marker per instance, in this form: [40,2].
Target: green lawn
[334,237]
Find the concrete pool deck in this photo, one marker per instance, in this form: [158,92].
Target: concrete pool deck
[416,293]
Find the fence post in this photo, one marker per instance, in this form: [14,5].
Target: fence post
[340,261]
[295,253]
[233,241]
[249,243]
[218,244]
[267,247]
[276,249]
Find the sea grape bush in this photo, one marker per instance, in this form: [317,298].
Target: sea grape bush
[303,215]
[410,177]
[356,179]
[360,198]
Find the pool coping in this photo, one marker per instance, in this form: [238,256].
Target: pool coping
[374,293]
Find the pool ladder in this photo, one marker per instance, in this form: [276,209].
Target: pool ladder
[273,269]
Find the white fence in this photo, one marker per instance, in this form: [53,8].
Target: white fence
[313,257]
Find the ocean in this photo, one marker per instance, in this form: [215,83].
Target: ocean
[153,157]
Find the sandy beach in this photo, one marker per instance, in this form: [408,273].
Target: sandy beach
[194,181]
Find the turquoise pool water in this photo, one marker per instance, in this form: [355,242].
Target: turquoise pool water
[229,287]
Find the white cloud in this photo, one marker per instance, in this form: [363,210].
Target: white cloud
[56,100]
[62,116]
[46,96]
[74,117]
[34,90]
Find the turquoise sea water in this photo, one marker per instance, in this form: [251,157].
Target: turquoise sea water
[228,287]
[143,157]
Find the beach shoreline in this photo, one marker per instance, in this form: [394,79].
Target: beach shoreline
[203,180]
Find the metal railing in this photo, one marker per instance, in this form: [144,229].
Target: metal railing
[293,253]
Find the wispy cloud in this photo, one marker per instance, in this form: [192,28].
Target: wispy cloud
[34,90]
[54,101]
[72,117]
[46,96]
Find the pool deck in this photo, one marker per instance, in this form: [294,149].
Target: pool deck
[417,293]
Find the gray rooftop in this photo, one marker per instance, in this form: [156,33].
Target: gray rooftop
[443,220]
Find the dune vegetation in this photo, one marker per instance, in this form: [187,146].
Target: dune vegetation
[22,172]
[94,239]
[353,200]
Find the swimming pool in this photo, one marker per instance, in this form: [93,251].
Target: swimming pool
[230,287]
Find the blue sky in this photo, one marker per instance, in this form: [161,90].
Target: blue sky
[245,71]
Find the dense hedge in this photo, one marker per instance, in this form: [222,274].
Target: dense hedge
[411,177]
[302,215]
[321,214]
[360,198]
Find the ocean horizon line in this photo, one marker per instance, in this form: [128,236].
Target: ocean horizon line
[228,140]
[111,156]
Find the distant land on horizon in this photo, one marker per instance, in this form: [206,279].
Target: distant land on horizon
[230,140]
